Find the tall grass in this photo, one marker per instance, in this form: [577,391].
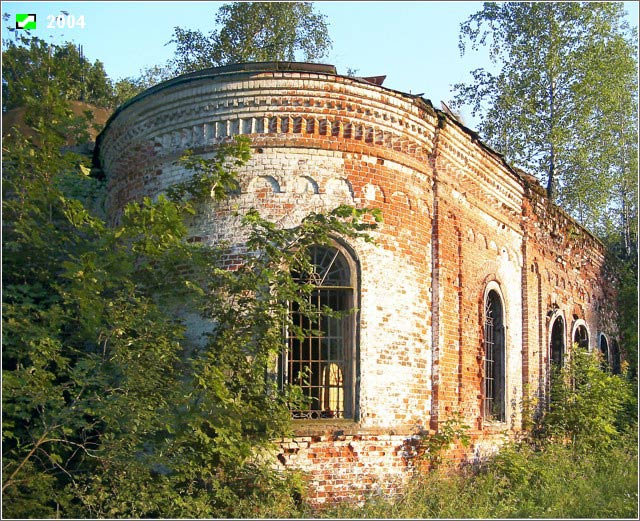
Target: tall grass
[579,460]
[521,482]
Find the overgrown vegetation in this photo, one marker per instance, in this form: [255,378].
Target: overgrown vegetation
[578,460]
[433,447]
[254,32]
[562,103]
[109,409]
[522,483]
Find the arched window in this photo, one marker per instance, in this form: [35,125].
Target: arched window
[494,358]
[322,363]
[604,350]
[581,337]
[615,357]
[557,343]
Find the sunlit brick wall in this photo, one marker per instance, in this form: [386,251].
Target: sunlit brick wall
[456,218]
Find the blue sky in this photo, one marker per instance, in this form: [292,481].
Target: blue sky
[415,44]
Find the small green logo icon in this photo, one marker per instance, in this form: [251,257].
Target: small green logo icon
[25,21]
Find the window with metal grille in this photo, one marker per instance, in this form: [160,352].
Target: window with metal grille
[494,359]
[321,363]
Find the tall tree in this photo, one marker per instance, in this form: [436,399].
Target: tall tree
[36,71]
[562,102]
[254,31]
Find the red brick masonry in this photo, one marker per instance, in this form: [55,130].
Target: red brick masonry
[458,222]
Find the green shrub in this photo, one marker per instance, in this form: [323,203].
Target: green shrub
[589,407]
[579,460]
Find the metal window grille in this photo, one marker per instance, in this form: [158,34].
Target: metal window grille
[489,361]
[319,362]
[494,360]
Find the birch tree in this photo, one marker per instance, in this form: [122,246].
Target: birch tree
[562,103]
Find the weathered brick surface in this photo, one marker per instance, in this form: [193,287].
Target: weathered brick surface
[354,465]
[456,219]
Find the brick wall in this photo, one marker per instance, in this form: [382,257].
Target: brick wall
[457,220]
[477,241]
[566,276]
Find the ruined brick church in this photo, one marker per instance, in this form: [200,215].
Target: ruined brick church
[476,287]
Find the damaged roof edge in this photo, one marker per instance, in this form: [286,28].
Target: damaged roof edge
[252,67]
[475,138]
[527,180]
[524,178]
[286,66]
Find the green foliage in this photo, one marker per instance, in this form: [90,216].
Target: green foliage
[212,178]
[588,404]
[126,88]
[38,73]
[434,446]
[628,306]
[34,71]
[109,409]
[580,462]
[562,103]
[254,31]
[87,354]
